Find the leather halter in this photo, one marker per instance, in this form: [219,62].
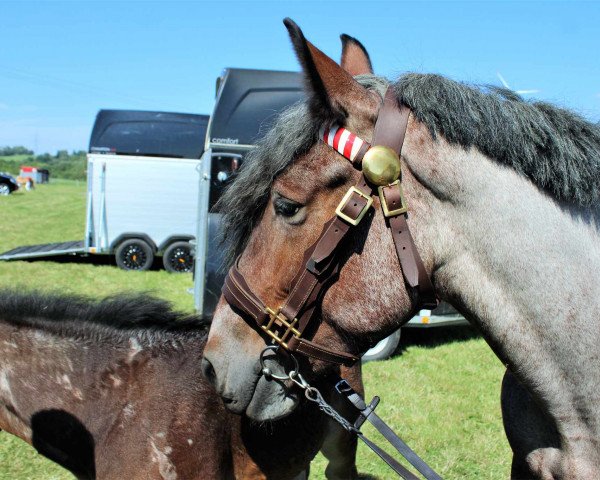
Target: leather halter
[286,324]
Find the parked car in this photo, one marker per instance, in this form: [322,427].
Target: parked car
[445,315]
[8,184]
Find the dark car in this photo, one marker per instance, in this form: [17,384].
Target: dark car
[8,184]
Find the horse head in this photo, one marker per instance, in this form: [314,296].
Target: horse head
[276,210]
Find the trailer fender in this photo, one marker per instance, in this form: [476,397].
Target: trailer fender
[129,235]
[174,238]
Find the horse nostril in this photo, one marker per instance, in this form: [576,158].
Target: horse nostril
[209,372]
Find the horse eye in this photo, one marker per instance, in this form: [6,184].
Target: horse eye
[286,208]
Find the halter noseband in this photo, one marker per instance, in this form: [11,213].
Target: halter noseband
[381,168]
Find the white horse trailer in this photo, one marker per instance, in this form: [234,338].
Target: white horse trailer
[247,103]
[143,188]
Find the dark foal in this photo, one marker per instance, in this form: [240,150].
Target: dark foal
[113,390]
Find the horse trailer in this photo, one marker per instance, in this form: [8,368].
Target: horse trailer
[247,103]
[142,191]
[38,175]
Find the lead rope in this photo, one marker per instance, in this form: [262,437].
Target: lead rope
[367,412]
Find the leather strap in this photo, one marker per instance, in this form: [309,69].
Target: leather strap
[311,349]
[413,270]
[322,256]
[390,128]
[390,131]
[361,153]
[239,296]
[367,413]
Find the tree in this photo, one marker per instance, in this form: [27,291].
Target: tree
[11,151]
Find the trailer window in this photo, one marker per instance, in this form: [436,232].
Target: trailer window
[223,170]
[164,139]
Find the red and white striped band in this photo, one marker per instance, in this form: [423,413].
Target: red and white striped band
[342,140]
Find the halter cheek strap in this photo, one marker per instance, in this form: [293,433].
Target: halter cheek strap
[285,325]
[390,130]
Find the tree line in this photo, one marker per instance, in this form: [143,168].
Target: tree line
[10,151]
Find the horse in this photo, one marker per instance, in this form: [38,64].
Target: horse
[114,389]
[25,182]
[503,203]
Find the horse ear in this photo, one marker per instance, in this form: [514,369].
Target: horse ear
[355,58]
[333,94]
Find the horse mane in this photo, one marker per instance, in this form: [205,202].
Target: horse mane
[555,148]
[116,316]
[558,150]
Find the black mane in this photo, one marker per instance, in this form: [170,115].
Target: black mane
[558,150]
[119,315]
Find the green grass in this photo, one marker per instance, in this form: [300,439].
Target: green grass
[441,394]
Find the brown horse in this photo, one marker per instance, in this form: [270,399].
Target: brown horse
[503,205]
[113,390]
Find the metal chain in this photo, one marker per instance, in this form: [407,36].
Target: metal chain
[315,396]
[310,392]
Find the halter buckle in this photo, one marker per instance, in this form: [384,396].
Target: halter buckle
[278,322]
[403,208]
[353,221]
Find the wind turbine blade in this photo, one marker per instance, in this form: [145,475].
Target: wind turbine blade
[526,92]
[504,83]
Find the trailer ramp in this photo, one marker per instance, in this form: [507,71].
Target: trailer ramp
[45,250]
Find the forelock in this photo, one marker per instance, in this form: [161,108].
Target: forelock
[292,135]
[246,198]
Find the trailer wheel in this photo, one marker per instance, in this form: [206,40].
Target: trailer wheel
[384,349]
[134,254]
[178,258]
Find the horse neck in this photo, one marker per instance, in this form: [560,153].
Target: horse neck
[90,379]
[521,266]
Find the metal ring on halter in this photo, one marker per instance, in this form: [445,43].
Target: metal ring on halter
[266,371]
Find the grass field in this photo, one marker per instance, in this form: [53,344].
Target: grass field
[441,394]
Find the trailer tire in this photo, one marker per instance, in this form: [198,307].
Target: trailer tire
[134,254]
[178,258]
[384,349]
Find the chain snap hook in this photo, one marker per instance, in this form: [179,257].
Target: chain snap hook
[299,380]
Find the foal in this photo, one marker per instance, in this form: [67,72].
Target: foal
[113,390]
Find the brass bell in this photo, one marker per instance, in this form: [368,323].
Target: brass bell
[381,165]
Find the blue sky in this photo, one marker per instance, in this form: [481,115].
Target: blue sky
[60,62]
